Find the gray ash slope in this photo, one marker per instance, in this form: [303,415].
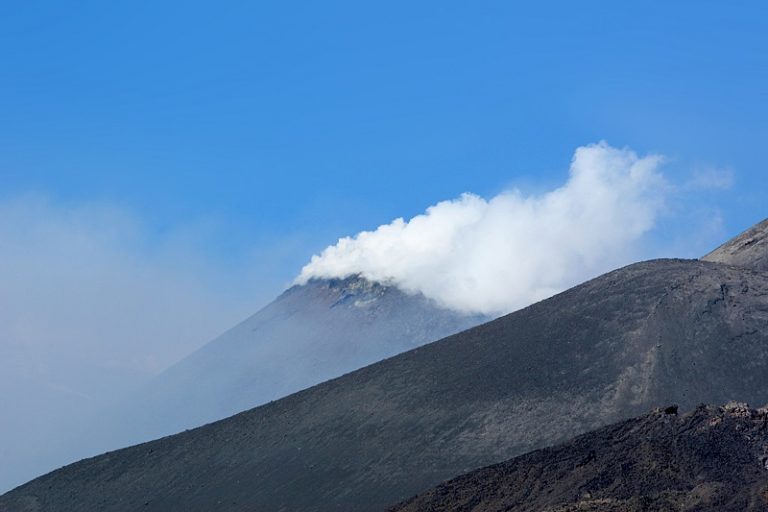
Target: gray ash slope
[662,331]
[750,249]
[309,334]
[711,459]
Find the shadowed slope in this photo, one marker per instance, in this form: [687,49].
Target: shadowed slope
[712,459]
[657,332]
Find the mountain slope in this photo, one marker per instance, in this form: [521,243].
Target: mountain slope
[663,331]
[712,459]
[748,250]
[309,334]
[656,332]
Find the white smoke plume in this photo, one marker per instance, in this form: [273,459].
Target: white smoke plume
[494,256]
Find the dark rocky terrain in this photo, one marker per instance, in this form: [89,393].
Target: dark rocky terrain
[711,459]
[657,332]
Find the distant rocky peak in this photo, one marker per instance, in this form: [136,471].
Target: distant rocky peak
[357,290]
[357,284]
[351,291]
[747,250]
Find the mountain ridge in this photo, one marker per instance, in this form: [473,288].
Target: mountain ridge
[747,250]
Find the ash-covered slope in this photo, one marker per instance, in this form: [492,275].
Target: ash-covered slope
[309,334]
[711,459]
[664,331]
[748,250]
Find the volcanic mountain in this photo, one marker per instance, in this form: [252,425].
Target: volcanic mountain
[309,334]
[652,333]
[711,459]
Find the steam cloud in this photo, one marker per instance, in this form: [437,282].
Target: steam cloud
[495,256]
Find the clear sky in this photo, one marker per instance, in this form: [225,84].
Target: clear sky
[167,167]
[318,119]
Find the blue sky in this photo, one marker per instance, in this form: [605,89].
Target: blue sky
[314,120]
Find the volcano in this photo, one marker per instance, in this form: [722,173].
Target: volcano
[653,333]
[309,334]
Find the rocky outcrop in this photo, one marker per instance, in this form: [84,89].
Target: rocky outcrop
[711,459]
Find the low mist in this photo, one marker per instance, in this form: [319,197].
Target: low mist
[91,307]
